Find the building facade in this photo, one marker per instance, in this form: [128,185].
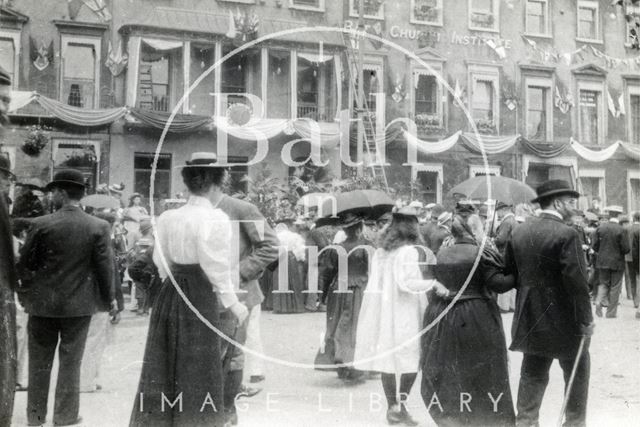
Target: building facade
[543,85]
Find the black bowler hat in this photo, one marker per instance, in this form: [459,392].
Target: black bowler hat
[554,187]
[465,206]
[65,178]
[5,165]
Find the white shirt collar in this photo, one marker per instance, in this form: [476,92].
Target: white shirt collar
[552,212]
[199,201]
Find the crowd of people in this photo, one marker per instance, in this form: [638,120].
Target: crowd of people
[420,288]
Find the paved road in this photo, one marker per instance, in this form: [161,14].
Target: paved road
[303,397]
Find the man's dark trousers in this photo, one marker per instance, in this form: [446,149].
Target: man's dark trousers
[534,377]
[609,290]
[44,334]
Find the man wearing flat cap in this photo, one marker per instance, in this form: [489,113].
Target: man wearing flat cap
[611,243]
[553,309]
[66,268]
[7,273]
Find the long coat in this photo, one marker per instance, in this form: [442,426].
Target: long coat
[552,299]
[391,314]
[66,265]
[611,242]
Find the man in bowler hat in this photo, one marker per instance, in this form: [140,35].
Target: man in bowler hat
[553,310]
[7,272]
[611,243]
[66,267]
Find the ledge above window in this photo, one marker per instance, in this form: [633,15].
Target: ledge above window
[307,7]
[85,28]
[591,41]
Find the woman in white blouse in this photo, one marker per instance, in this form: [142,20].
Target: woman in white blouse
[392,309]
[182,357]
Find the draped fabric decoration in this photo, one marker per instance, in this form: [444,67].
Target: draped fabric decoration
[81,116]
[20,98]
[326,133]
[162,45]
[630,150]
[428,147]
[489,143]
[593,155]
[545,151]
[568,162]
[181,122]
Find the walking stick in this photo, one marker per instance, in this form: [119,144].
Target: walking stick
[571,378]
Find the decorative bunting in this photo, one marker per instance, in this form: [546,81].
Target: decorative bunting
[116,60]
[40,56]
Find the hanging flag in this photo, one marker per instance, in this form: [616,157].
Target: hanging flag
[564,102]
[621,107]
[74,6]
[615,112]
[498,47]
[231,32]
[99,8]
[459,92]
[40,56]
[116,60]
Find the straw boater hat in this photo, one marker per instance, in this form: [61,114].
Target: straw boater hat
[416,204]
[65,178]
[614,208]
[554,187]
[116,188]
[407,211]
[444,217]
[202,159]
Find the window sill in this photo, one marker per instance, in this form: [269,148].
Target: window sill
[540,36]
[374,17]
[592,41]
[306,8]
[486,30]
[428,23]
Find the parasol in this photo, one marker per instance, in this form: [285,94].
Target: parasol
[369,203]
[506,190]
[100,201]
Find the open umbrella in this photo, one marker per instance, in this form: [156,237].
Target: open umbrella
[369,203]
[506,190]
[100,201]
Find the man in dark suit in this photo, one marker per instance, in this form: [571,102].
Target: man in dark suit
[66,267]
[553,309]
[507,224]
[611,244]
[8,346]
[256,246]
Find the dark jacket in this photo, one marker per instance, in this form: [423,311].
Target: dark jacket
[66,265]
[503,233]
[256,252]
[634,237]
[434,236]
[552,301]
[611,243]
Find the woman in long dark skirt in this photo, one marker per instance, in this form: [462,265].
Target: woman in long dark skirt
[181,383]
[464,356]
[344,307]
[291,298]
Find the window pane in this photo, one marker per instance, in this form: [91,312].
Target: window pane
[79,62]
[483,100]
[279,85]
[536,17]
[589,101]
[426,95]
[240,73]
[587,23]
[142,175]
[536,113]
[590,189]
[316,87]
[7,56]
[309,3]
[200,100]
[154,88]
[428,186]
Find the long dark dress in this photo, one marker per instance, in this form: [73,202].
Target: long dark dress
[293,300]
[169,371]
[465,352]
[343,309]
